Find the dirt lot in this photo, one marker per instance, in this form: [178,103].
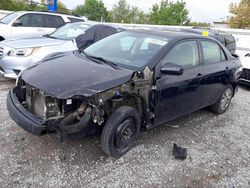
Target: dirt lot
[218,154]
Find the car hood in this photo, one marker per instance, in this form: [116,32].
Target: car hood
[71,74]
[32,42]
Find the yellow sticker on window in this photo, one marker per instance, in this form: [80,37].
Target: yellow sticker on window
[205,33]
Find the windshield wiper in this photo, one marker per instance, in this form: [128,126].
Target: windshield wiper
[107,62]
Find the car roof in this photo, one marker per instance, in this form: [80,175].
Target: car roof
[90,24]
[51,13]
[170,34]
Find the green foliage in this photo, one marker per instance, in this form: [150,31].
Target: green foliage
[169,13]
[17,5]
[122,12]
[165,13]
[94,10]
[14,5]
[240,14]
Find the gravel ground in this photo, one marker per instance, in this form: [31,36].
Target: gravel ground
[218,154]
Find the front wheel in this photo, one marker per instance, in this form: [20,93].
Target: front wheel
[120,131]
[223,102]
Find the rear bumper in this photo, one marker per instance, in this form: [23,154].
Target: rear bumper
[23,118]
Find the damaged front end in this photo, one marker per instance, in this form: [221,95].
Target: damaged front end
[78,114]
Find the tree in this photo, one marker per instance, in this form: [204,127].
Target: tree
[94,10]
[123,12]
[16,5]
[240,14]
[137,16]
[169,13]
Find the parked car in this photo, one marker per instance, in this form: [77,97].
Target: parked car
[226,39]
[245,78]
[125,81]
[33,23]
[18,54]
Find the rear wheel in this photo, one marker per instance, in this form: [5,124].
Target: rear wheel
[120,131]
[223,102]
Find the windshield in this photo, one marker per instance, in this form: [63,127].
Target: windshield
[7,19]
[70,31]
[128,49]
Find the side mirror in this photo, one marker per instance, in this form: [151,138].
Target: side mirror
[172,69]
[17,23]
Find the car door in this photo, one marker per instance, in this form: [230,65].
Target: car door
[177,95]
[28,25]
[217,68]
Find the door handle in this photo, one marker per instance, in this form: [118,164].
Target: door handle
[227,70]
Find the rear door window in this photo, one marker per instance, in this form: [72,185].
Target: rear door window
[212,52]
[52,21]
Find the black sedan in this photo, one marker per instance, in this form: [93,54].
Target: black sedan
[125,81]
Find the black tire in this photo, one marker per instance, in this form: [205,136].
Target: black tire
[218,107]
[120,131]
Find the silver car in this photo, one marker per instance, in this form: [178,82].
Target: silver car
[17,55]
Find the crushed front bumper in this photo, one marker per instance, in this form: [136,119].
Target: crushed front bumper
[23,118]
[35,125]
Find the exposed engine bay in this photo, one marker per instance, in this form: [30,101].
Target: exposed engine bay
[73,114]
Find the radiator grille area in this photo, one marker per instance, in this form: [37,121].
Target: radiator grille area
[35,101]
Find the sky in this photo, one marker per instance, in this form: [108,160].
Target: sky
[199,10]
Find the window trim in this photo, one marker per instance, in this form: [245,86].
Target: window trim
[181,41]
[202,53]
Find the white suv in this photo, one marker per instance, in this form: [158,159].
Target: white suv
[31,23]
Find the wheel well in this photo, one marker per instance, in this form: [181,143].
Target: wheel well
[126,100]
[1,38]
